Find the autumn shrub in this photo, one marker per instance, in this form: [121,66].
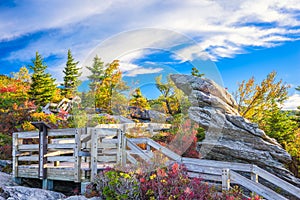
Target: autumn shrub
[161,183]
[184,141]
[172,182]
[111,184]
[101,119]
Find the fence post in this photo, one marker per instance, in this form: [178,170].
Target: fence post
[77,158]
[15,158]
[150,129]
[124,146]
[254,177]
[43,144]
[225,179]
[94,154]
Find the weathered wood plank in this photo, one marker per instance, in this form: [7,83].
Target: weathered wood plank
[212,163]
[64,174]
[123,149]
[28,147]
[77,159]
[138,140]
[85,138]
[62,132]
[119,147]
[29,158]
[14,155]
[225,179]
[107,151]
[206,177]
[103,145]
[138,150]
[62,141]
[164,150]
[104,132]
[131,159]
[256,187]
[58,153]
[107,158]
[277,181]
[94,151]
[28,135]
[61,158]
[61,146]
[26,172]
[203,169]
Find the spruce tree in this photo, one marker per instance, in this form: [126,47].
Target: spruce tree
[196,72]
[98,73]
[71,78]
[42,87]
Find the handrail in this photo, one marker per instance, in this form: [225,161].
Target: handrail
[208,168]
[277,181]
[255,187]
[214,168]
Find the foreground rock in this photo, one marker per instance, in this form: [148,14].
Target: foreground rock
[6,180]
[230,137]
[24,193]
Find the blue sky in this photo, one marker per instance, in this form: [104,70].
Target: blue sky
[229,41]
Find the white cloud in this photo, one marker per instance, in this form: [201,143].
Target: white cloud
[292,103]
[141,70]
[34,15]
[132,70]
[221,28]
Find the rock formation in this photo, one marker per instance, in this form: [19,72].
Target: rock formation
[230,137]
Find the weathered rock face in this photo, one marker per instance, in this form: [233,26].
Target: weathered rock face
[230,137]
[24,193]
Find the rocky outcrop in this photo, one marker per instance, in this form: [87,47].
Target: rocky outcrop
[230,137]
[25,193]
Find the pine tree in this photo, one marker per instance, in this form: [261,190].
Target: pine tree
[138,100]
[71,78]
[42,87]
[97,71]
[196,72]
[280,125]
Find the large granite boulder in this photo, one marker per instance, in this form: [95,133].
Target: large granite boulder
[230,137]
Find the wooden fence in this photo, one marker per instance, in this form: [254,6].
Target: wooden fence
[225,173]
[78,155]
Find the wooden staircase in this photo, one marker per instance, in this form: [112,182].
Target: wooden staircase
[78,155]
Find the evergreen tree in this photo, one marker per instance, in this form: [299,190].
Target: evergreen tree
[97,71]
[138,100]
[280,125]
[196,72]
[71,78]
[42,87]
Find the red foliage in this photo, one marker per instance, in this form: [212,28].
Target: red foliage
[12,89]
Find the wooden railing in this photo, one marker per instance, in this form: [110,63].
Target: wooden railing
[72,154]
[226,173]
[78,154]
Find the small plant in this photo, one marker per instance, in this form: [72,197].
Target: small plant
[111,184]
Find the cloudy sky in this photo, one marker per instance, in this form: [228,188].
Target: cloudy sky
[229,41]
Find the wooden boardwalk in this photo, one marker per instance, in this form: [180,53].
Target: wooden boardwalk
[78,154]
